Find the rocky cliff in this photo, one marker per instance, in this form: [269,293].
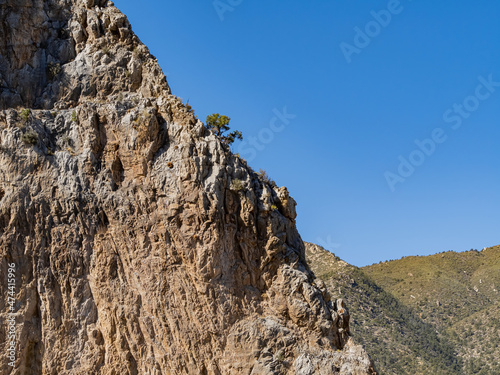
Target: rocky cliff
[135,251]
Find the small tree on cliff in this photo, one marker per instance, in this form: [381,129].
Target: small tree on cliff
[219,125]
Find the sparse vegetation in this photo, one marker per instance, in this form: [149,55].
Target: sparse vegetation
[236,185]
[137,53]
[53,70]
[219,125]
[25,114]
[264,177]
[143,117]
[106,50]
[280,355]
[30,137]
[74,117]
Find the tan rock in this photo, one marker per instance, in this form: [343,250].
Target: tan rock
[133,254]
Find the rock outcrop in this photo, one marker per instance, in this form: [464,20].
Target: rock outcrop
[135,251]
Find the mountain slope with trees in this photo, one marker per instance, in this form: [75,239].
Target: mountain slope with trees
[431,315]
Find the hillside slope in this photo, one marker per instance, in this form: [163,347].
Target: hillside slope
[392,333]
[422,315]
[458,293]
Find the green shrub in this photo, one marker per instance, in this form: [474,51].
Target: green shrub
[53,69]
[219,125]
[30,137]
[236,185]
[25,114]
[74,117]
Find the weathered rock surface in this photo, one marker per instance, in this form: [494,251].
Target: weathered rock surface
[134,255]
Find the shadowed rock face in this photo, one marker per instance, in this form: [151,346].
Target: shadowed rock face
[69,51]
[133,253]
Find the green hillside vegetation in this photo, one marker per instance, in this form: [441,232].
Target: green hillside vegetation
[394,336]
[421,315]
[478,340]
[446,287]
[455,292]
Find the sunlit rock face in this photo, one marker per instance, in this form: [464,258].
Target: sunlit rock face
[134,251]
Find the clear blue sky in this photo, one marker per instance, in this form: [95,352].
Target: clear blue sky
[412,78]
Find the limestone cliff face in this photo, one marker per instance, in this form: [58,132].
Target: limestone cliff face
[136,253]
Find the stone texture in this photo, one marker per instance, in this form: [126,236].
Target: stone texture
[134,254]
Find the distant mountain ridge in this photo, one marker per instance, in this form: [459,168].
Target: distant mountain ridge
[436,314]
